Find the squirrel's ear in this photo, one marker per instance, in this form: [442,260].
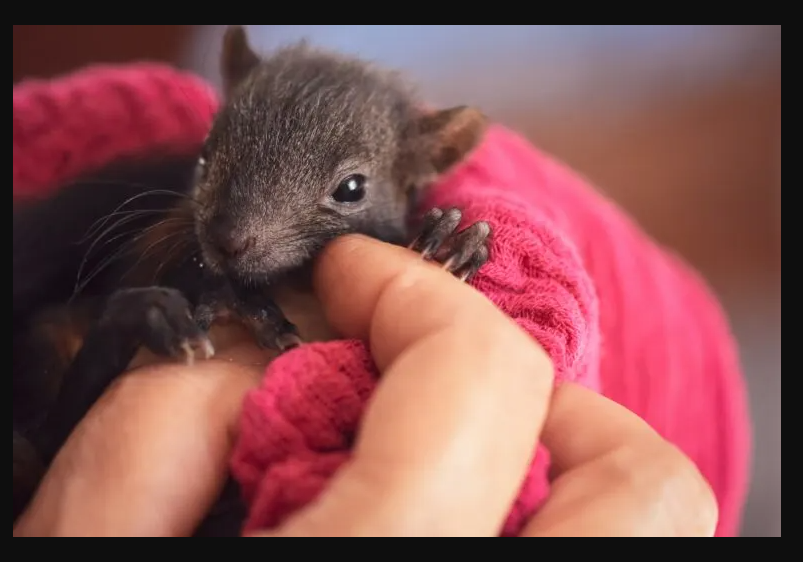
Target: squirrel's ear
[451,134]
[238,59]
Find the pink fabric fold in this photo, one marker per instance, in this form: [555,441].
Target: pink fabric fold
[615,311]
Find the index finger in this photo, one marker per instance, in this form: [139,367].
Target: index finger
[450,431]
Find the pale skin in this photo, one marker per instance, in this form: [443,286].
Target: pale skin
[150,457]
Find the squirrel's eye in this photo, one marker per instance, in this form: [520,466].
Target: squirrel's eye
[351,189]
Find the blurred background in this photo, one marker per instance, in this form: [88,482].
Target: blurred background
[681,125]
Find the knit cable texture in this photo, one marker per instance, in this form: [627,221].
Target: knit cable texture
[614,311]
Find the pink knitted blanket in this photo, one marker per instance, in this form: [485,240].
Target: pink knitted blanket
[614,310]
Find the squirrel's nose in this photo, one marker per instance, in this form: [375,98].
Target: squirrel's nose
[226,238]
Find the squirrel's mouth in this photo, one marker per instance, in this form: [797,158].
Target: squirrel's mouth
[251,268]
[254,256]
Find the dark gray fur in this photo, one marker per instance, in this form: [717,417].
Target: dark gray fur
[294,125]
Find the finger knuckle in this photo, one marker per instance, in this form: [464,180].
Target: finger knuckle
[696,507]
[663,472]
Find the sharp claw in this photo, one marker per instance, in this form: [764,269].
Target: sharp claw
[192,348]
[447,265]
[288,341]
[429,251]
[460,241]
[208,348]
[425,252]
[189,353]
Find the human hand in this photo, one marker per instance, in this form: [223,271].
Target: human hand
[429,460]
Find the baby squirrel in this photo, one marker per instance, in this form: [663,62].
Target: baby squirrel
[308,146]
